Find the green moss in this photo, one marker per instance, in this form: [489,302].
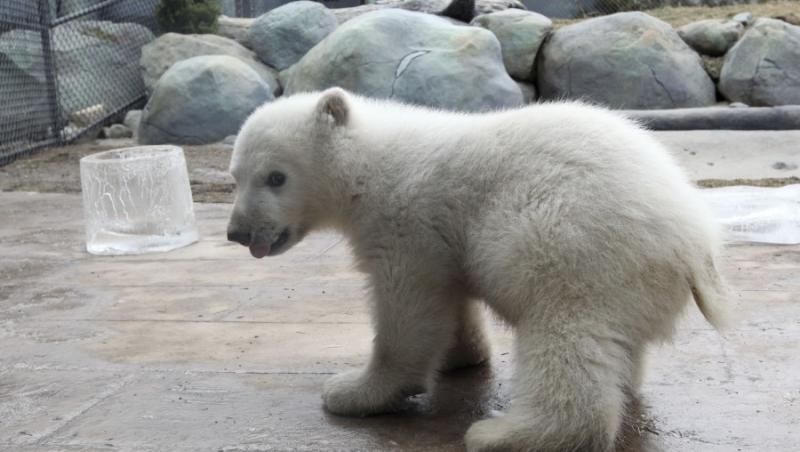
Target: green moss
[188,16]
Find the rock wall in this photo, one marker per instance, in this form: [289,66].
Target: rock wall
[506,57]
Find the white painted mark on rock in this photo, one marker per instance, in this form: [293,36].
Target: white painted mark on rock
[407,61]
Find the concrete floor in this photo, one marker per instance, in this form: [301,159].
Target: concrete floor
[207,349]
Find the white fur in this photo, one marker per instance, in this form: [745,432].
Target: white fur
[569,221]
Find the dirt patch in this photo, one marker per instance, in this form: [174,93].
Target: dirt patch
[767,182]
[57,170]
[682,15]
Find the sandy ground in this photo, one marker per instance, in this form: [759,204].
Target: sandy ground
[712,158]
[57,170]
[207,349]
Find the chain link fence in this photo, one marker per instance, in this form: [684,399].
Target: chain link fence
[67,67]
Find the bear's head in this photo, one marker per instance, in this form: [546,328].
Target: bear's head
[279,165]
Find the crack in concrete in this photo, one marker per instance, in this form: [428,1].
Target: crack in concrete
[111,390]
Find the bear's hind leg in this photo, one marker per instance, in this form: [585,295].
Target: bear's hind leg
[414,325]
[471,345]
[569,393]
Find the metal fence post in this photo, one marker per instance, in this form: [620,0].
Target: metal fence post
[50,69]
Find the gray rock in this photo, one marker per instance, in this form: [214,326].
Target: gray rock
[783,166]
[737,105]
[625,60]
[236,28]
[117,131]
[528,92]
[202,100]
[78,134]
[745,18]
[520,33]
[97,61]
[713,66]
[282,36]
[168,49]
[87,117]
[416,58]
[711,37]
[132,119]
[763,68]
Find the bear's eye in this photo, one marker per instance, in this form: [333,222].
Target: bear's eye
[276,179]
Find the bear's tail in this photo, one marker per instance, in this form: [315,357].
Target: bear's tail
[711,294]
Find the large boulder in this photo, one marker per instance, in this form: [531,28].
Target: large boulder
[168,49]
[763,68]
[625,60]
[711,37]
[412,57]
[282,36]
[202,100]
[97,61]
[520,33]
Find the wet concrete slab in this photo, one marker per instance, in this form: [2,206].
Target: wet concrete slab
[205,348]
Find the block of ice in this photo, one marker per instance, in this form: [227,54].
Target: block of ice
[757,214]
[137,200]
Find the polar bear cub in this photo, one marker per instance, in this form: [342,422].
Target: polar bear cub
[569,221]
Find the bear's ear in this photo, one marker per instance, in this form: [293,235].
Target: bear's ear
[333,107]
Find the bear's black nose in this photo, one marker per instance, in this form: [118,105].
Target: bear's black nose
[239,237]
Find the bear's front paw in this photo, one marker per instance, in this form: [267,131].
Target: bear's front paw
[358,393]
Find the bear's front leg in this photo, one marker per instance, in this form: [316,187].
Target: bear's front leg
[414,325]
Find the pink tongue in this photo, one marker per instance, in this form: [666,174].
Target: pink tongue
[259,250]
